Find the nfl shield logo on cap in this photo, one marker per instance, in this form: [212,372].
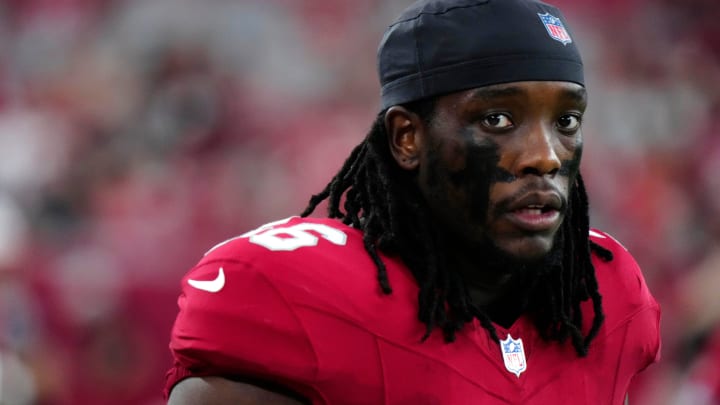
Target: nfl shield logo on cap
[555,28]
[513,355]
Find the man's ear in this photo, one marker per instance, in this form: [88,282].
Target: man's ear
[405,134]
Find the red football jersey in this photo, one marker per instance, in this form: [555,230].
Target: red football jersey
[297,302]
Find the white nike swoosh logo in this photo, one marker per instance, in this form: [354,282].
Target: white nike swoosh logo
[212,286]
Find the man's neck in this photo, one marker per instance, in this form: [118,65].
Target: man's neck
[498,284]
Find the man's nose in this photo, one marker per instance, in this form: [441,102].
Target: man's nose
[538,154]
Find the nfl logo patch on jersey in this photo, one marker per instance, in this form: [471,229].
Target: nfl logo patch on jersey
[513,355]
[555,28]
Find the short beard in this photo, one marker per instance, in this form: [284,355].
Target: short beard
[498,266]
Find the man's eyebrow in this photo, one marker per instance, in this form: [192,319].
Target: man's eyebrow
[490,93]
[579,95]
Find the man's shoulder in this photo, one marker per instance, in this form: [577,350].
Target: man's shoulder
[246,305]
[307,263]
[621,280]
[632,315]
[317,253]
[622,271]
[264,299]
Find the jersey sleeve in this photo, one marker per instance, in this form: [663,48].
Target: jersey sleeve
[233,322]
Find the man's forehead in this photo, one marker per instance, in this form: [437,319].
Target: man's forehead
[569,90]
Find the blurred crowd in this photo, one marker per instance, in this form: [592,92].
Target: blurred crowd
[135,134]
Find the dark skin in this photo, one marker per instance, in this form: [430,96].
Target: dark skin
[221,391]
[495,166]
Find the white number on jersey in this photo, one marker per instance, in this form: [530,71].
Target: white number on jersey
[295,236]
[276,237]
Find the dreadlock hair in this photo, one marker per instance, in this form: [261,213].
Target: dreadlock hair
[381,199]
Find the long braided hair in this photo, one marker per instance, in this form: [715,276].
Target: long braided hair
[381,199]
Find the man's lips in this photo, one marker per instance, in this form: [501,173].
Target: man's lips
[544,200]
[536,211]
[535,220]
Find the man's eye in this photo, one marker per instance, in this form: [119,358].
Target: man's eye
[569,122]
[497,121]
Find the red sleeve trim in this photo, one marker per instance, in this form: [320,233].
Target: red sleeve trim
[176,374]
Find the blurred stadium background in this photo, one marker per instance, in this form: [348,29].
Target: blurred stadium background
[135,134]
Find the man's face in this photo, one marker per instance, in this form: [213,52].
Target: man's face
[496,163]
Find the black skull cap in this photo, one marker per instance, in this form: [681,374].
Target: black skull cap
[437,47]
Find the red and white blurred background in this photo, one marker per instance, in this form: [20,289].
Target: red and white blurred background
[135,134]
